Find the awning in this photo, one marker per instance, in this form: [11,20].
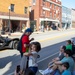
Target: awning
[47,19]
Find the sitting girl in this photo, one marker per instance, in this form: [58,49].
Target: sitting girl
[31,57]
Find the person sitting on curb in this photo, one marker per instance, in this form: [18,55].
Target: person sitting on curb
[65,67]
[32,56]
[69,45]
[57,64]
[61,55]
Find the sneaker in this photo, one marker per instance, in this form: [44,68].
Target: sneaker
[41,71]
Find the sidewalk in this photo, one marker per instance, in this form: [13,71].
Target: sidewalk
[20,33]
[38,32]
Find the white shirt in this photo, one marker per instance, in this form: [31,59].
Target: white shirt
[33,59]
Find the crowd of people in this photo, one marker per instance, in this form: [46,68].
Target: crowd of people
[61,65]
[64,63]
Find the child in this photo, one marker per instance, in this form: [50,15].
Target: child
[65,67]
[35,47]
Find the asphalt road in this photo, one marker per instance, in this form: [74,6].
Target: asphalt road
[50,47]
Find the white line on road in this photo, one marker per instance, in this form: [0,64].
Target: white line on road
[40,61]
[47,57]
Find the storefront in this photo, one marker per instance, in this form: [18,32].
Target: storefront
[16,23]
[49,24]
[66,18]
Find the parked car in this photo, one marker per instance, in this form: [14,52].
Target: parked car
[8,43]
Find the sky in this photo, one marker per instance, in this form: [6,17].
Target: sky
[68,3]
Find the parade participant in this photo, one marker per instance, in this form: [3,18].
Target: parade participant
[24,41]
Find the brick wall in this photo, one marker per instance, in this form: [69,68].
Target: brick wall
[18,8]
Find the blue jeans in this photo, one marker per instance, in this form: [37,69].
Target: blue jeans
[34,69]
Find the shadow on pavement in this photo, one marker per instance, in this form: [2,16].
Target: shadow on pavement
[13,60]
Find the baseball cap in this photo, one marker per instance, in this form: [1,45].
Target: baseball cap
[28,30]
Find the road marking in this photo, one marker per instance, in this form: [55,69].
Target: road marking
[40,61]
[58,36]
[47,57]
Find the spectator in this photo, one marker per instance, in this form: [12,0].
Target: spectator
[61,55]
[35,47]
[65,67]
[69,45]
[57,64]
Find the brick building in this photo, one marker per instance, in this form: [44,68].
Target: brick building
[18,14]
[46,13]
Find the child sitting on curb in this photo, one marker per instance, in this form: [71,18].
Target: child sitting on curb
[32,56]
[65,67]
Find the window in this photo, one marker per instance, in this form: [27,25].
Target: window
[43,3]
[50,5]
[34,1]
[25,10]
[56,0]
[54,6]
[50,14]
[44,0]
[12,7]
[44,12]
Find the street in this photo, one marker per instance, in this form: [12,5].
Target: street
[50,43]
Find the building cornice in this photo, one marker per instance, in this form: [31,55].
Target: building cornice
[54,3]
[13,16]
[47,19]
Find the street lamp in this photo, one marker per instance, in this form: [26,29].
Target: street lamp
[9,28]
[30,8]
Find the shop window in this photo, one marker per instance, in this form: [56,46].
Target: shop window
[50,14]
[50,5]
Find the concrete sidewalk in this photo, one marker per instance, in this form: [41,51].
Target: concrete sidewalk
[20,33]
[38,32]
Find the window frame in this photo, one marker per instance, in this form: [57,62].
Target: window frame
[25,10]
[12,7]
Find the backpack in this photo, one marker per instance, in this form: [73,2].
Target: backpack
[19,46]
